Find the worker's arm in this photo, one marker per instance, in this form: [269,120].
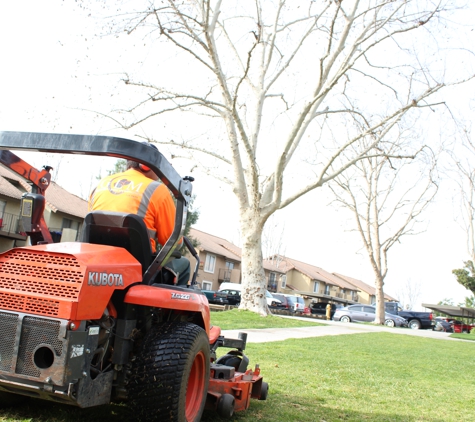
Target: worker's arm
[164,213]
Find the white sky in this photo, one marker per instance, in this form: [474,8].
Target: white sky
[44,87]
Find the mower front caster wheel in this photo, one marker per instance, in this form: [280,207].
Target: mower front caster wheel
[264,390]
[226,406]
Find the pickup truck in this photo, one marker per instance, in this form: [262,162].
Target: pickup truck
[415,319]
[216,297]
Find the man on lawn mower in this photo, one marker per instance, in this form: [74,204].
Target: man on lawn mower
[138,191]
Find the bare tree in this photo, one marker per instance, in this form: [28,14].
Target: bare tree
[273,238]
[409,293]
[464,170]
[386,199]
[465,178]
[279,85]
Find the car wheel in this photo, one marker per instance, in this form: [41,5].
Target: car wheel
[345,318]
[414,324]
[389,323]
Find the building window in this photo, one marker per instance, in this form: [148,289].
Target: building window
[210,262]
[229,265]
[315,287]
[272,283]
[207,285]
[327,289]
[283,281]
[3,204]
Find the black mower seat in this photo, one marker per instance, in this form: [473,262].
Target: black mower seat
[119,229]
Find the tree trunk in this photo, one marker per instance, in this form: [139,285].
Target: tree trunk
[253,277]
[380,312]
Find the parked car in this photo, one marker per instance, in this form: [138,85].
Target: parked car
[443,324]
[460,327]
[214,297]
[366,313]
[320,308]
[280,302]
[415,319]
[233,296]
[291,303]
[238,287]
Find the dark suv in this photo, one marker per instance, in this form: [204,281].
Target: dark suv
[320,308]
[233,296]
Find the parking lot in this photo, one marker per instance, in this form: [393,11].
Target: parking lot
[329,328]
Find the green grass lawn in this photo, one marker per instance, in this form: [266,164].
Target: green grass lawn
[358,377]
[238,319]
[366,377]
[462,336]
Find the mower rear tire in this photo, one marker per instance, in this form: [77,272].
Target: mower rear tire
[225,407]
[170,374]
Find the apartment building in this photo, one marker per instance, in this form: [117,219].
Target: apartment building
[64,212]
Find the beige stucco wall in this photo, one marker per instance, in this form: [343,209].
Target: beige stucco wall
[297,280]
[55,220]
[13,205]
[236,274]
[69,235]
[364,297]
[220,263]
[6,244]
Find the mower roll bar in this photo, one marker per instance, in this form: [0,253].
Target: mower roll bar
[101,146]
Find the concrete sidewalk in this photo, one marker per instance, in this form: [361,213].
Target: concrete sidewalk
[330,328]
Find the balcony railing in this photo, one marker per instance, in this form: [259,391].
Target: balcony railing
[224,274]
[10,224]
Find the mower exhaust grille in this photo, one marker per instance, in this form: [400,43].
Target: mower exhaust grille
[35,332]
[52,276]
[8,327]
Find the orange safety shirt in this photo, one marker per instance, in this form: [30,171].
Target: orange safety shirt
[135,193]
